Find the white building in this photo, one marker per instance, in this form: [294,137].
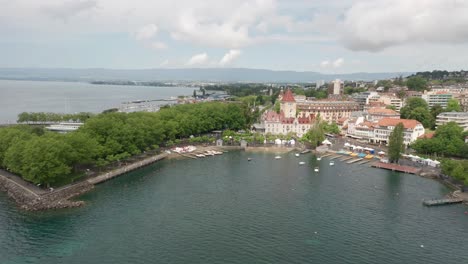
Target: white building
[436,98]
[336,87]
[461,118]
[64,127]
[384,127]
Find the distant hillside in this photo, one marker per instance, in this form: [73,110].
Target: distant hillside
[212,75]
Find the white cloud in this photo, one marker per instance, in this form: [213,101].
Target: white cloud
[334,64]
[158,45]
[338,63]
[378,24]
[198,59]
[325,64]
[146,32]
[229,57]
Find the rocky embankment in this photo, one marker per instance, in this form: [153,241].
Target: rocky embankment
[31,199]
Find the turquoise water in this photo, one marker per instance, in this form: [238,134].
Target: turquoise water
[72,97]
[224,209]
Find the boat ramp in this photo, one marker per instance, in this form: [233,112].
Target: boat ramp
[354,160]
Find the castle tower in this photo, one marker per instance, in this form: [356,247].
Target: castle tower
[288,104]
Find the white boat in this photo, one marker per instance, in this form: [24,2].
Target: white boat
[301,163]
[319,158]
[278,157]
[297,154]
[332,163]
[200,155]
[316,169]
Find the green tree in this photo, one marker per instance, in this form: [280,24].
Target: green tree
[330,128]
[453,106]
[436,110]
[417,83]
[417,108]
[396,143]
[315,135]
[392,107]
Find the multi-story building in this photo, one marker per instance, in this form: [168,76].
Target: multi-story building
[436,98]
[328,110]
[336,87]
[375,114]
[384,127]
[298,115]
[389,99]
[363,98]
[463,100]
[461,118]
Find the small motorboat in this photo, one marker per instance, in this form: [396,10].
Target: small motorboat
[319,158]
[332,163]
[316,169]
[301,163]
[278,157]
[249,159]
[297,154]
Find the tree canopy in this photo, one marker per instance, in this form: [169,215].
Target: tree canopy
[417,108]
[47,157]
[396,143]
[448,140]
[453,106]
[417,83]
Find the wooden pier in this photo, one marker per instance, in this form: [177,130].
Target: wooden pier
[434,202]
[353,161]
[335,157]
[364,161]
[326,155]
[396,167]
[346,158]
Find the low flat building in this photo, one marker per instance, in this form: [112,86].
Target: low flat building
[64,127]
[461,118]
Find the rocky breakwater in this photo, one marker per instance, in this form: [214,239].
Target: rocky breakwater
[29,200]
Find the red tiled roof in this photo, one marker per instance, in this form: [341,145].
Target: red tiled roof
[382,111]
[428,135]
[407,123]
[288,96]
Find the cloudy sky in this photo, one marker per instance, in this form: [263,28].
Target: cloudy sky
[330,36]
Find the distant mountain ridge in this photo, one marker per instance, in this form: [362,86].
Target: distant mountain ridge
[191,74]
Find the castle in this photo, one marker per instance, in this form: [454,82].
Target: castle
[298,115]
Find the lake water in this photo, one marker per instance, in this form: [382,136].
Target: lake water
[224,209]
[72,97]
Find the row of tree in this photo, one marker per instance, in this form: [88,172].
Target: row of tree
[48,157]
[26,117]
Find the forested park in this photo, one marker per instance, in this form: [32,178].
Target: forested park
[46,158]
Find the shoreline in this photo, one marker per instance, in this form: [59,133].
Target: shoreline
[30,198]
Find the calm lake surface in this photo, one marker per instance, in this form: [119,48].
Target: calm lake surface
[72,97]
[225,209]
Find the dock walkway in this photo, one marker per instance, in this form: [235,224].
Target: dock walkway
[434,202]
[396,167]
[353,161]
